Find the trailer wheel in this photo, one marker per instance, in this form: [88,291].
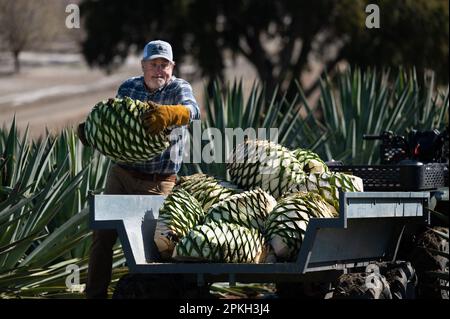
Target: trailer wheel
[430,258]
[362,285]
[384,280]
[401,277]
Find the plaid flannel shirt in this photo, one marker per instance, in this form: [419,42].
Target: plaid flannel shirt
[176,91]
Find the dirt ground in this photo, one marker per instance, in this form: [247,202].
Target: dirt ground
[59,91]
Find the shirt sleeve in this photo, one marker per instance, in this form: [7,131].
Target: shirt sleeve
[121,91]
[186,97]
[130,88]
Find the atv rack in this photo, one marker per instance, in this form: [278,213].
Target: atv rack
[400,177]
[369,228]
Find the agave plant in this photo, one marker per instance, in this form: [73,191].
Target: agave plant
[227,108]
[359,102]
[43,210]
[353,103]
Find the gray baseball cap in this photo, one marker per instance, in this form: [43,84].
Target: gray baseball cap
[158,49]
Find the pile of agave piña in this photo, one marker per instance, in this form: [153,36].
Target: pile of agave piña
[260,216]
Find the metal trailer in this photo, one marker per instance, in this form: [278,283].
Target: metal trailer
[369,229]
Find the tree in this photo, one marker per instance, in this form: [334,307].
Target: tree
[280,38]
[25,25]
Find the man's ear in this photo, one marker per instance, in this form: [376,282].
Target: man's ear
[142,65]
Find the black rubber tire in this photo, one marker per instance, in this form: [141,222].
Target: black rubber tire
[424,261]
[402,279]
[385,280]
[362,285]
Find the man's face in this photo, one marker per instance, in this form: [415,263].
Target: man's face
[157,72]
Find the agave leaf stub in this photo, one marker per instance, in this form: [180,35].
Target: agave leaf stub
[221,242]
[328,185]
[179,214]
[115,129]
[286,225]
[249,209]
[264,164]
[310,162]
[207,189]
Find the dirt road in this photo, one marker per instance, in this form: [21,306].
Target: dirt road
[56,96]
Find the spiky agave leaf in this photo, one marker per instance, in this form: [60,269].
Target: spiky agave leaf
[249,209]
[180,213]
[264,164]
[328,184]
[221,242]
[310,161]
[115,129]
[286,224]
[206,189]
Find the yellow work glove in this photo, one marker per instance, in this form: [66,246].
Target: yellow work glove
[159,117]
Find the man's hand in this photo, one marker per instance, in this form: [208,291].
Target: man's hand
[159,117]
[81,136]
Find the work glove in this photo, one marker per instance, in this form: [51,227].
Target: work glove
[159,117]
[81,135]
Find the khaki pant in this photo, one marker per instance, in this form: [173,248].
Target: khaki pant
[101,254]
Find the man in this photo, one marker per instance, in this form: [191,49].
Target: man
[173,105]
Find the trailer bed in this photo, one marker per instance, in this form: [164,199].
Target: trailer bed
[369,228]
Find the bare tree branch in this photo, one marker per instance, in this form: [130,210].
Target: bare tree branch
[26,25]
